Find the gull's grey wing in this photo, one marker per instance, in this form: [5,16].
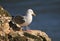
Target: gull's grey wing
[19,19]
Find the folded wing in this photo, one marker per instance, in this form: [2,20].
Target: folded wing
[19,19]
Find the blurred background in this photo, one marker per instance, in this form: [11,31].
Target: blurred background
[47,16]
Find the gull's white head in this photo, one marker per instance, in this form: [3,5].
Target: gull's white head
[30,11]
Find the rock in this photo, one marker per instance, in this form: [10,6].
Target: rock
[3,11]
[4,19]
[37,34]
[4,26]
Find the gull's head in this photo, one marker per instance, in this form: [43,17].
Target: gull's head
[30,11]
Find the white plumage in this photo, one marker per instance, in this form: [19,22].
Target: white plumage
[24,20]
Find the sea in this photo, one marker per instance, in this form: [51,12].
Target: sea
[47,12]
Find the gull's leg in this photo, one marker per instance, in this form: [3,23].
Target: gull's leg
[28,29]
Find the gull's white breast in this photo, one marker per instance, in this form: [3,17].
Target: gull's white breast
[28,20]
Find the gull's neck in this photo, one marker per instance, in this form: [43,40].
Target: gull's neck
[29,16]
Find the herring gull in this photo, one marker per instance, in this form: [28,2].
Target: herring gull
[26,20]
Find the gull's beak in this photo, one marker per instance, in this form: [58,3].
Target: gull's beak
[34,14]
